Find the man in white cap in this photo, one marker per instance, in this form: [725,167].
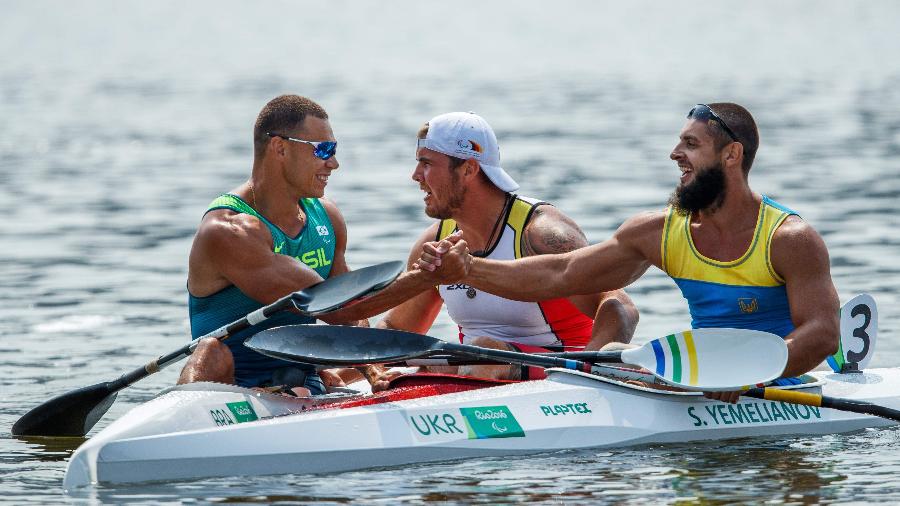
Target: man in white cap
[469,193]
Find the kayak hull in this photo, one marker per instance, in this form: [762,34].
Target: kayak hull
[207,430]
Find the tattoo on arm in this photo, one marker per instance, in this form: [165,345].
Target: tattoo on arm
[559,241]
[559,236]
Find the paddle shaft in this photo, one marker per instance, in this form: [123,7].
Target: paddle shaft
[383,274]
[515,357]
[221,333]
[447,359]
[74,413]
[809,399]
[770,394]
[699,359]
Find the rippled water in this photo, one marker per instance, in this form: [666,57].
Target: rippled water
[120,121]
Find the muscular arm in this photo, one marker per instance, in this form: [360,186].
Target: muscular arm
[415,314]
[410,285]
[418,313]
[615,317]
[602,267]
[232,248]
[800,257]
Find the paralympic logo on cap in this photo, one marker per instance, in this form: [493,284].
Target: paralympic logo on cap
[470,145]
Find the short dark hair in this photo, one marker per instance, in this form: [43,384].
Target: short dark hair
[282,115]
[454,161]
[740,121]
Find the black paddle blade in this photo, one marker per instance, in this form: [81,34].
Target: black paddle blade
[70,414]
[333,293]
[336,345]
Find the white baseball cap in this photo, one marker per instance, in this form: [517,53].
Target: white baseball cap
[467,135]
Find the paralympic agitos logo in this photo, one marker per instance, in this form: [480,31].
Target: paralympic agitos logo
[470,145]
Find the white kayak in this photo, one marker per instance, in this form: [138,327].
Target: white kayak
[207,430]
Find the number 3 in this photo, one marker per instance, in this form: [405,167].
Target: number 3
[860,332]
[859,322]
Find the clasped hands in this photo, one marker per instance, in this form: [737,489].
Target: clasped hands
[448,260]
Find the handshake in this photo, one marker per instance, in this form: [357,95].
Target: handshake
[447,260]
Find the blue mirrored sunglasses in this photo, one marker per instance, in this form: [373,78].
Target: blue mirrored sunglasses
[323,149]
[702,112]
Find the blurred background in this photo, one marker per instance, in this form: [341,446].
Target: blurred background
[121,121]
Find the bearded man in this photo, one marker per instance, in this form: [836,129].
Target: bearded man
[741,259]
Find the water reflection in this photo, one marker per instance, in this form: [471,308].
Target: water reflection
[50,449]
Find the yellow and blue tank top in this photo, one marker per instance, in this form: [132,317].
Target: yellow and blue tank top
[313,246]
[743,293]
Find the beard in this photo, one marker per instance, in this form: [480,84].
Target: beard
[705,193]
[457,196]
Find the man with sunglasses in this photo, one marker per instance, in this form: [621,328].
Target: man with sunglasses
[270,236]
[466,190]
[740,259]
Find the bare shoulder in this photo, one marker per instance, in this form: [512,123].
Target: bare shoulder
[796,244]
[796,233]
[641,234]
[224,240]
[793,228]
[330,206]
[550,231]
[226,227]
[427,235]
[337,219]
[644,222]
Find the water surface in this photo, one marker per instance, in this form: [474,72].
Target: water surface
[121,121]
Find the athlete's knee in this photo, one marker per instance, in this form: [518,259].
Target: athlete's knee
[442,369]
[496,372]
[211,347]
[499,372]
[487,342]
[211,360]
[617,346]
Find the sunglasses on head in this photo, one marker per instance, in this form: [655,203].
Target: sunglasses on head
[323,149]
[702,112]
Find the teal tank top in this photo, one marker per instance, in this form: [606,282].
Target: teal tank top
[313,246]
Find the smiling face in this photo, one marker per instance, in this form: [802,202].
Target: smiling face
[702,184]
[308,173]
[441,183]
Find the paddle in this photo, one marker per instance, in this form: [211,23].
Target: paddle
[774,394]
[74,413]
[700,359]
[808,399]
